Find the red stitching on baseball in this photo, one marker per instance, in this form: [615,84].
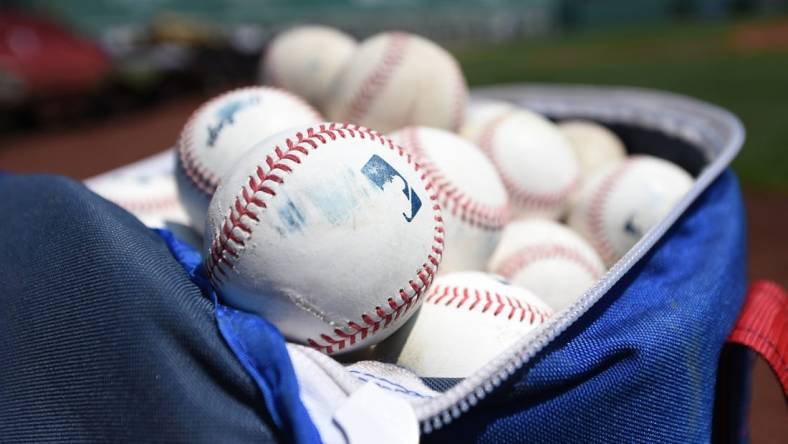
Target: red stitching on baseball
[234,231]
[200,175]
[484,301]
[376,81]
[462,205]
[596,223]
[521,195]
[145,205]
[534,253]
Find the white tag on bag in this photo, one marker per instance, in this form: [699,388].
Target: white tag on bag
[372,414]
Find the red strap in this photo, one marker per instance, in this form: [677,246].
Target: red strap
[763,327]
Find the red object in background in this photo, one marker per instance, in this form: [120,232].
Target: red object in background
[41,59]
[763,327]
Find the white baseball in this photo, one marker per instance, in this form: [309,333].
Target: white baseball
[478,112]
[328,232]
[548,259]
[467,319]
[153,199]
[622,201]
[472,197]
[396,80]
[594,145]
[221,130]
[533,158]
[306,61]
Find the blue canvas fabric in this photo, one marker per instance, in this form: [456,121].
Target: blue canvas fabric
[640,366]
[104,337]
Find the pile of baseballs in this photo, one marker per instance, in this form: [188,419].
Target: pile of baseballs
[358,197]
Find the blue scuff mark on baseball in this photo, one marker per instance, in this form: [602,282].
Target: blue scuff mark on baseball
[379,172]
[338,199]
[291,216]
[226,116]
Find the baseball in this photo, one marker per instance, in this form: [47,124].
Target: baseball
[481,111]
[548,259]
[328,231]
[533,158]
[153,199]
[622,201]
[221,130]
[472,197]
[396,80]
[306,61]
[594,145]
[467,319]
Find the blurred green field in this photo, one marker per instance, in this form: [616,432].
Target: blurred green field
[732,65]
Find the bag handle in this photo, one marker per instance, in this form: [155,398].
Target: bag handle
[763,327]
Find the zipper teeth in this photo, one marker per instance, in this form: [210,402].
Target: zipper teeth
[434,414]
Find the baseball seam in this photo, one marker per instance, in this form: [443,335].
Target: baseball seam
[376,81]
[522,196]
[199,175]
[463,206]
[528,255]
[230,239]
[146,205]
[597,208]
[485,301]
